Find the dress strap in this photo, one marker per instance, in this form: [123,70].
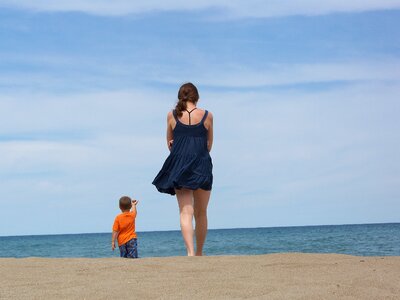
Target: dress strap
[204,117]
[189,112]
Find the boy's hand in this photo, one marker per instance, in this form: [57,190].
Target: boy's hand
[112,246]
[135,202]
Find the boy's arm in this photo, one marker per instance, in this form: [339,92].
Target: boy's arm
[113,238]
[134,203]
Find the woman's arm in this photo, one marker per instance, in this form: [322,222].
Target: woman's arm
[209,126]
[170,135]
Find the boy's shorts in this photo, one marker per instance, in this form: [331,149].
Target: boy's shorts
[129,249]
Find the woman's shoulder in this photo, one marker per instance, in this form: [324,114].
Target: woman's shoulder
[203,111]
[170,115]
[209,114]
[208,121]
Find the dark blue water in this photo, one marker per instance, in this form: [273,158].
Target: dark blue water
[366,240]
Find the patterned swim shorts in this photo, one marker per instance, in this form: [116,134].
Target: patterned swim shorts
[129,249]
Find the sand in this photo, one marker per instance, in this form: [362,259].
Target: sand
[273,276]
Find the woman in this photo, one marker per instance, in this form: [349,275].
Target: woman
[187,172]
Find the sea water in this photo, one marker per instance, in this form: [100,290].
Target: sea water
[364,240]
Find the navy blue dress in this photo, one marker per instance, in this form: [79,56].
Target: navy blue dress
[189,164]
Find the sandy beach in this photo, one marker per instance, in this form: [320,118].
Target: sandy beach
[273,276]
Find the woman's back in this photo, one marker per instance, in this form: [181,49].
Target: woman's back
[192,117]
[190,139]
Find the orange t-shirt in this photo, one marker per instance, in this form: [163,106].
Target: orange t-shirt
[125,225]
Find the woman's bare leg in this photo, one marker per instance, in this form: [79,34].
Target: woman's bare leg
[201,199]
[185,202]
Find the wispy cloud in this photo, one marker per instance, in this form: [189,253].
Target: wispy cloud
[206,73]
[231,8]
[85,112]
[285,74]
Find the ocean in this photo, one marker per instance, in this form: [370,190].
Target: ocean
[363,240]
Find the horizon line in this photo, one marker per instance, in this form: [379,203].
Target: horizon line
[210,229]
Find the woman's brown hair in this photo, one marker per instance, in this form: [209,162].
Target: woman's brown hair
[187,92]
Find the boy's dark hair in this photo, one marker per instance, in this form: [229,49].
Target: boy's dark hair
[125,203]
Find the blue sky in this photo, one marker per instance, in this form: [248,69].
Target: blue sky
[305,100]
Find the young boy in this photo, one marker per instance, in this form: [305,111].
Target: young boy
[124,228]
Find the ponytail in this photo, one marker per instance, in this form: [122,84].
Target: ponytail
[187,92]
[180,107]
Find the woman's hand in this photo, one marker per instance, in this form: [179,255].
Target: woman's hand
[170,144]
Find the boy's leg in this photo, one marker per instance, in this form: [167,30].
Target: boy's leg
[123,251]
[131,248]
